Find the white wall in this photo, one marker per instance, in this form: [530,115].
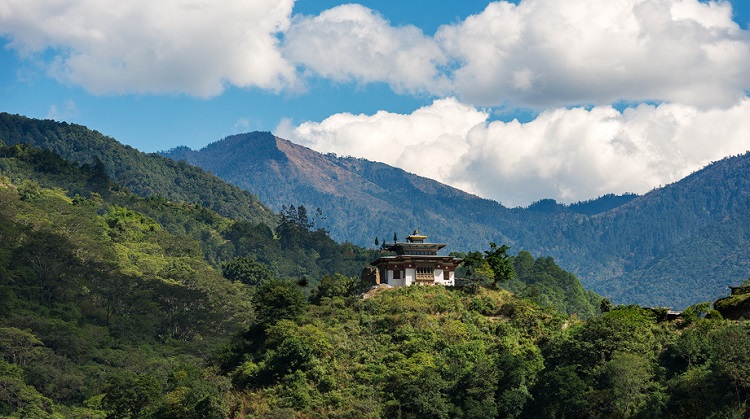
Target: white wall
[438,276]
[411,276]
[451,280]
[394,282]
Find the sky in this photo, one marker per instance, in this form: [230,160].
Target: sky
[512,101]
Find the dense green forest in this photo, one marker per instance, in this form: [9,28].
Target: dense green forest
[116,305]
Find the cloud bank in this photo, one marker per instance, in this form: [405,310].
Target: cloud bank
[545,53]
[537,54]
[194,47]
[540,53]
[565,154]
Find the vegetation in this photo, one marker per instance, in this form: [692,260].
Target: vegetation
[100,306]
[296,249]
[541,281]
[114,305]
[144,174]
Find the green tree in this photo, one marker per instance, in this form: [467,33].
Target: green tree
[277,300]
[247,270]
[128,395]
[18,346]
[626,379]
[335,285]
[560,393]
[500,263]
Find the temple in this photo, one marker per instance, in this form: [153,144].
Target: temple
[416,262]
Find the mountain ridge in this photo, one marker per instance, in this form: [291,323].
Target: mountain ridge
[359,185]
[618,245]
[674,246]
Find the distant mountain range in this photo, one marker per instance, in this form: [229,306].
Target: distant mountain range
[675,246]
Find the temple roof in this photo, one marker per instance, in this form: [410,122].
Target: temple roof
[416,238]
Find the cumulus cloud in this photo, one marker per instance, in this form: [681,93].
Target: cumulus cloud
[354,43]
[540,53]
[142,46]
[536,54]
[565,154]
[543,53]
[424,142]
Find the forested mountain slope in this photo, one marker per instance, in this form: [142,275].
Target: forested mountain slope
[631,248]
[112,305]
[144,174]
[674,246]
[360,199]
[98,301]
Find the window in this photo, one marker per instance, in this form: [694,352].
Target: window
[425,273]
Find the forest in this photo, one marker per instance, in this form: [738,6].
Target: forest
[118,304]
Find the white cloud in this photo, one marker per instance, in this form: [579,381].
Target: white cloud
[142,46]
[565,154]
[354,43]
[424,142]
[540,53]
[537,54]
[544,53]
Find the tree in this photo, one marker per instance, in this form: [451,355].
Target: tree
[335,285]
[472,261]
[626,379]
[560,393]
[127,395]
[500,262]
[276,300]
[18,346]
[294,227]
[247,270]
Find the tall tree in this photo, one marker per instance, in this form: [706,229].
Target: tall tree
[500,262]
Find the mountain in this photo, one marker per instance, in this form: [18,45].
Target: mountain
[111,305]
[674,246]
[360,199]
[145,174]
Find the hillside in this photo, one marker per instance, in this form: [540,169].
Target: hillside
[93,295]
[674,246]
[144,174]
[112,305]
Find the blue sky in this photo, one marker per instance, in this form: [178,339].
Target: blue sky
[514,101]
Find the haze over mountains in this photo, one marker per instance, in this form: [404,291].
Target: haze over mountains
[674,246]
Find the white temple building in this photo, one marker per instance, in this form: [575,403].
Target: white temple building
[416,262]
